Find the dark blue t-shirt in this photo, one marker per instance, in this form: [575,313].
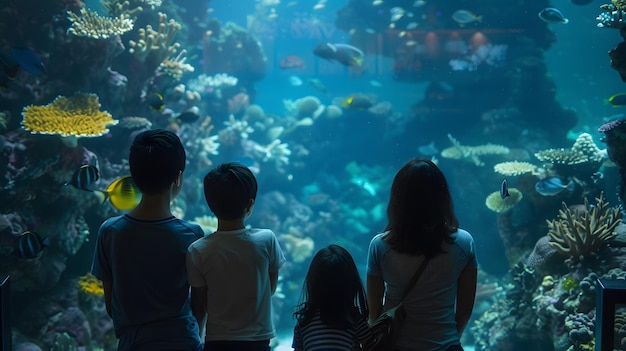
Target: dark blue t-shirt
[145,261]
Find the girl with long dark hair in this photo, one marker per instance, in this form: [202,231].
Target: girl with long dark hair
[333,313]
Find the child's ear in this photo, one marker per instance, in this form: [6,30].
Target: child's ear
[179,179]
[250,205]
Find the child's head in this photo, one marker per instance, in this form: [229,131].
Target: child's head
[333,286]
[230,190]
[157,159]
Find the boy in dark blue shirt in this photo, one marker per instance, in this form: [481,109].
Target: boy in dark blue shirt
[140,256]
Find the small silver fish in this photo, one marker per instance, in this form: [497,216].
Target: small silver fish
[465,17]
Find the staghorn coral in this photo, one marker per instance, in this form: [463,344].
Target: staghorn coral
[90,285]
[241,127]
[78,116]
[497,204]
[90,24]
[514,168]
[175,67]
[580,235]
[583,150]
[277,151]
[472,153]
[116,8]
[158,44]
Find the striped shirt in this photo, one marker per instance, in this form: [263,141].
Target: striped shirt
[318,336]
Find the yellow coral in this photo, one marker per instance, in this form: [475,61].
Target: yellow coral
[514,168]
[496,203]
[78,116]
[91,25]
[90,285]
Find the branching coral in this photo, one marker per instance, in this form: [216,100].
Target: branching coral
[241,127]
[496,203]
[514,168]
[159,44]
[78,116]
[90,24]
[175,67]
[116,8]
[276,151]
[580,235]
[583,150]
[472,153]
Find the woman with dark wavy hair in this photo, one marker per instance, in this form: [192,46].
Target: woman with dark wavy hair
[422,225]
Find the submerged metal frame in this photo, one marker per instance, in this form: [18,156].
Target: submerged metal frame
[5,313]
[609,294]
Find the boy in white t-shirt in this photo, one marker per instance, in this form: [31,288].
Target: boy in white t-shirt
[233,272]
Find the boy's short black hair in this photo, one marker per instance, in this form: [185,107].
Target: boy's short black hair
[156,157]
[228,189]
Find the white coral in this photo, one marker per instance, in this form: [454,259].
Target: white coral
[239,126]
[276,151]
[210,145]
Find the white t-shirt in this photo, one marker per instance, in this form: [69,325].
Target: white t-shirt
[234,266]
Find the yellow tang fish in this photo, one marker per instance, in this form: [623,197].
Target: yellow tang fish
[122,193]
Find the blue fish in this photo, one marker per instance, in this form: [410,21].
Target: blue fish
[551,186]
[28,60]
[30,245]
[504,189]
[552,15]
[84,177]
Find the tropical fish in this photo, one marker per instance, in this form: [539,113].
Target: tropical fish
[357,102]
[295,81]
[345,54]
[551,186]
[28,60]
[156,103]
[188,117]
[122,193]
[504,189]
[291,62]
[396,13]
[464,17]
[617,100]
[19,58]
[84,177]
[317,84]
[30,245]
[552,15]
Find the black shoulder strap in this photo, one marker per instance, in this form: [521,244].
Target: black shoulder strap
[416,276]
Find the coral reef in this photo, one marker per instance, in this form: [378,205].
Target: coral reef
[472,153]
[497,204]
[514,168]
[583,150]
[90,285]
[90,24]
[580,235]
[157,44]
[78,116]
